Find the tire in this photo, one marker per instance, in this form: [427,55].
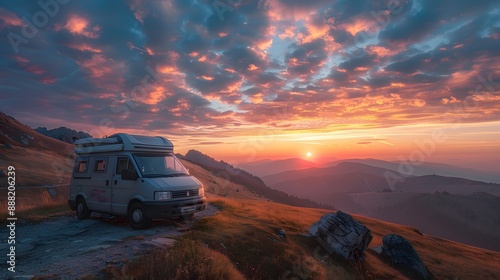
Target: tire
[82,211]
[137,216]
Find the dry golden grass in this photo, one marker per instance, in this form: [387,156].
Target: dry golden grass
[37,167]
[187,259]
[246,232]
[444,258]
[37,204]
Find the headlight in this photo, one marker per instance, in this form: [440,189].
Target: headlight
[163,195]
[201,191]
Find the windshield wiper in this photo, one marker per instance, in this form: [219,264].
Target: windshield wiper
[165,175]
[176,175]
[155,175]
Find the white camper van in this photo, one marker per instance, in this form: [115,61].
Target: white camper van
[134,176]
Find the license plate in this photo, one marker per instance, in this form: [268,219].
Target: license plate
[188,209]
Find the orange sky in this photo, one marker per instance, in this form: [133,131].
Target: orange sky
[465,145]
[264,79]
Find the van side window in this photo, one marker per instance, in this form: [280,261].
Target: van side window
[81,167]
[100,165]
[123,163]
[170,162]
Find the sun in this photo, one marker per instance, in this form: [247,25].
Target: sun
[308,154]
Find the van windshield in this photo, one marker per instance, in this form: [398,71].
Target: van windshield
[160,165]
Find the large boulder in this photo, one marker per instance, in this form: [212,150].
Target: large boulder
[339,233]
[402,255]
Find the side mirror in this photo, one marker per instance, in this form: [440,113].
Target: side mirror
[129,175]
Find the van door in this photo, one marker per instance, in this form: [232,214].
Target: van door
[81,178]
[122,190]
[100,189]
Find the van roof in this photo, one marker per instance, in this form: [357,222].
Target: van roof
[123,142]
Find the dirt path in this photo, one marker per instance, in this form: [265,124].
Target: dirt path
[68,248]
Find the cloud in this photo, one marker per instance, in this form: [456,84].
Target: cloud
[8,18]
[78,25]
[306,58]
[177,67]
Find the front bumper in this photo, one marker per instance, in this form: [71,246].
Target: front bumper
[165,208]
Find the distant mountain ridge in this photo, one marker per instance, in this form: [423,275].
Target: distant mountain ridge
[427,168]
[264,168]
[252,182]
[63,134]
[267,167]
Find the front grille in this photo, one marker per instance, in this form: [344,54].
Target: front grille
[184,193]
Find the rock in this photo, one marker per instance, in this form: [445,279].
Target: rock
[402,255]
[136,250]
[52,192]
[159,242]
[339,233]
[63,134]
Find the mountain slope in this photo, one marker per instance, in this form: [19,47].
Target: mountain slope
[252,182]
[341,168]
[454,208]
[351,177]
[246,232]
[472,219]
[38,159]
[427,168]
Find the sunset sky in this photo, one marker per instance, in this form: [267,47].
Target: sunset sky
[247,80]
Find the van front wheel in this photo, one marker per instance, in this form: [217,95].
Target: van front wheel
[82,211]
[137,217]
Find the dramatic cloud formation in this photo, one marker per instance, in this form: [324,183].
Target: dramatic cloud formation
[223,68]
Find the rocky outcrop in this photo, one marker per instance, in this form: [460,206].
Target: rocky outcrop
[339,233]
[63,133]
[403,256]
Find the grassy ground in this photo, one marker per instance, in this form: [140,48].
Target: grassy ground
[245,234]
[37,204]
[241,241]
[187,259]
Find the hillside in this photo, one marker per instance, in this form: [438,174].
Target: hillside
[351,177]
[264,168]
[245,233]
[38,159]
[252,182]
[453,208]
[342,168]
[428,168]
